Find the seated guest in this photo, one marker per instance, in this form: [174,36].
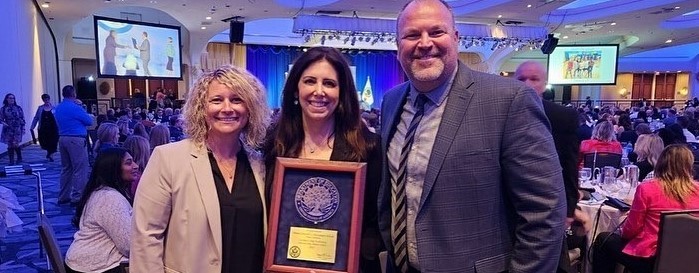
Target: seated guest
[584,130]
[139,148]
[159,135]
[107,137]
[648,149]
[603,141]
[672,189]
[140,130]
[176,131]
[103,215]
[684,122]
[672,135]
[124,130]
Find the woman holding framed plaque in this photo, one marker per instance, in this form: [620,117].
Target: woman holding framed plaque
[320,119]
[200,205]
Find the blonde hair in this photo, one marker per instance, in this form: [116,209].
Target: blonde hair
[139,148]
[250,91]
[648,148]
[604,131]
[159,135]
[675,172]
[107,132]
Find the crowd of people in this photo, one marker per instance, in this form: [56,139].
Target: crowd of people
[466,171]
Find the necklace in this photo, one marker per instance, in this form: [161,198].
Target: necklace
[228,171]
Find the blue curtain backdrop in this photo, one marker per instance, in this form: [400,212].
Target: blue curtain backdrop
[381,66]
[270,63]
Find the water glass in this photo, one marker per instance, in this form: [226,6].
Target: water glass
[585,174]
[611,186]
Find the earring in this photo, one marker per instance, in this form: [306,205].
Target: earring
[296,102]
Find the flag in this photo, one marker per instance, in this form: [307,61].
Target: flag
[367,95]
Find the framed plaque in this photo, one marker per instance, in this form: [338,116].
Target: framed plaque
[315,217]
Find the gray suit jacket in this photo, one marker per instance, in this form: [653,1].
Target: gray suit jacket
[493,197]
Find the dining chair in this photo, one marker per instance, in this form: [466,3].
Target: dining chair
[679,232]
[599,160]
[48,240]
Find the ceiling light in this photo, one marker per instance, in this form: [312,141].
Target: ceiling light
[679,71]
[677,7]
[45,5]
[668,41]
[208,17]
[613,24]
[203,27]
[529,6]
[565,37]
[499,15]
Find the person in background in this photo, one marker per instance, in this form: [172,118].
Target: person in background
[72,120]
[103,216]
[107,137]
[175,127]
[109,53]
[192,219]
[124,130]
[320,119]
[140,130]
[12,118]
[672,188]
[603,141]
[648,149]
[684,122]
[159,135]
[48,129]
[170,53]
[139,148]
[563,128]
[144,49]
[470,130]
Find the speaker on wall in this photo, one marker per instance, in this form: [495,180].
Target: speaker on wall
[549,44]
[86,89]
[237,31]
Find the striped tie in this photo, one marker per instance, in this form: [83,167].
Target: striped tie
[399,230]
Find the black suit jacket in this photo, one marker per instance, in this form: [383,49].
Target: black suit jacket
[564,122]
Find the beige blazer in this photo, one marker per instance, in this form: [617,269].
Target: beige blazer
[176,223]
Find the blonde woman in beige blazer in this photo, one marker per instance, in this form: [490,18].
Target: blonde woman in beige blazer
[200,204]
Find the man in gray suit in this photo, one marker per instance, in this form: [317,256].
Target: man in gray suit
[144,49]
[472,179]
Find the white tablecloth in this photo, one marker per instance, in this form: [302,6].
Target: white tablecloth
[9,221]
[604,219]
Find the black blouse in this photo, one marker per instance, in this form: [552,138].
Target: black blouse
[241,218]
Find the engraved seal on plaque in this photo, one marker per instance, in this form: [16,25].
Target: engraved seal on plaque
[317,199]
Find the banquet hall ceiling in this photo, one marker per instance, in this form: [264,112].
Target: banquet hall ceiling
[640,25]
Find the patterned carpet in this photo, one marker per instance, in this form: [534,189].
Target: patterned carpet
[19,252]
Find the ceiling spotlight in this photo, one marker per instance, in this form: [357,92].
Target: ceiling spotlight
[668,41]
[565,37]
[208,17]
[613,24]
[677,7]
[203,27]
[499,15]
[45,4]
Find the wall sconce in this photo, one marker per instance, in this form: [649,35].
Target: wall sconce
[683,92]
[623,92]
